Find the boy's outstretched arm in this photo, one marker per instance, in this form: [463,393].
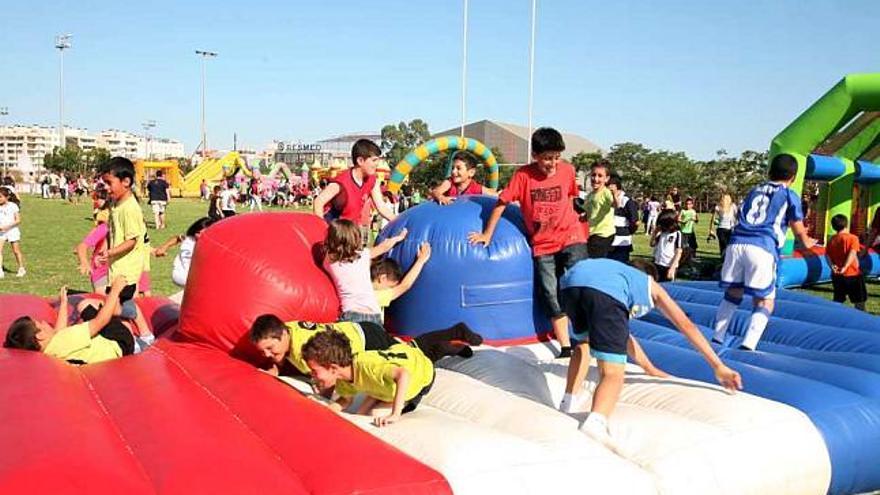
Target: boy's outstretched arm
[728,378]
[485,236]
[640,358]
[438,194]
[798,229]
[379,203]
[401,380]
[63,311]
[322,199]
[386,245]
[410,278]
[488,191]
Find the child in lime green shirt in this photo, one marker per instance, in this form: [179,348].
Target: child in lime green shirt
[599,206]
[688,218]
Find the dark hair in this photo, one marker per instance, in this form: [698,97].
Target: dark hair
[217,189]
[667,221]
[326,348]
[547,139]
[11,196]
[469,161]
[615,180]
[602,164]
[343,241]
[121,168]
[364,148]
[839,222]
[646,266]
[387,267]
[266,326]
[689,198]
[160,173]
[198,226]
[783,167]
[22,334]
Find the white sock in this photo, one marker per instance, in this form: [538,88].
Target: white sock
[723,317]
[599,420]
[757,324]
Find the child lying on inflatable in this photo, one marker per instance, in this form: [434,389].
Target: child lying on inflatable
[283,342]
[93,341]
[399,376]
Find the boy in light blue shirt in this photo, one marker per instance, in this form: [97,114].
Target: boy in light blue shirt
[600,296]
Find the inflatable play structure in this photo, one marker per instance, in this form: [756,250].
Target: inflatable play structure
[144,170]
[439,145]
[213,170]
[836,142]
[192,414]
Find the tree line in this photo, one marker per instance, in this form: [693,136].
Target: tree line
[645,172]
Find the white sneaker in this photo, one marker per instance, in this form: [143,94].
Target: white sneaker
[21,272]
[574,403]
[597,429]
[2,273]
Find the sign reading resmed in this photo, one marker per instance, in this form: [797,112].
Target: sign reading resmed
[282,146]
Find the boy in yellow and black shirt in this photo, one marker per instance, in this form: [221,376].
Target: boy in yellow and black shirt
[398,376]
[282,342]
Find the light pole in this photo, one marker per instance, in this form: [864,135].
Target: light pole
[205,55]
[4,111]
[62,42]
[149,124]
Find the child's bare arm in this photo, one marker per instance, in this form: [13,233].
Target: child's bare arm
[340,404]
[413,274]
[379,202]
[438,194]
[326,195]
[81,252]
[488,191]
[850,259]
[386,245]
[401,380]
[797,227]
[122,249]
[727,377]
[170,243]
[485,237]
[63,311]
[640,358]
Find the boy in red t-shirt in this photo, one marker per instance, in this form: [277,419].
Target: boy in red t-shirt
[349,194]
[461,180]
[843,253]
[545,190]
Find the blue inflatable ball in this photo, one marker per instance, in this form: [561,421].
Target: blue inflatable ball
[489,288]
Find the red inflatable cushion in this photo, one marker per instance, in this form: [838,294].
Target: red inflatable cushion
[252,264]
[182,419]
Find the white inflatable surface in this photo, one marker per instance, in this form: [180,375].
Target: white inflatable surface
[490,425]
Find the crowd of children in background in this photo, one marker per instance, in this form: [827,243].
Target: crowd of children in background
[585,281]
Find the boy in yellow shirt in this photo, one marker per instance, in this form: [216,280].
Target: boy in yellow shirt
[127,251]
[399,376]
[599,205]
[282,342]
[93,341]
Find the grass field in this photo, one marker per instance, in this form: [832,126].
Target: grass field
[51,229]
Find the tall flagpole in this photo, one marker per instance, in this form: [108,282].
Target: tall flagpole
[531,75]
[464,49]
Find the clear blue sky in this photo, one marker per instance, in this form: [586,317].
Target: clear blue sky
[690,75]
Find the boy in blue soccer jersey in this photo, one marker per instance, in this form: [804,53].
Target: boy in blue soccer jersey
[600,296]
[751,257]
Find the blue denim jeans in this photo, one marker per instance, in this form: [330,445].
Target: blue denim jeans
[548,269]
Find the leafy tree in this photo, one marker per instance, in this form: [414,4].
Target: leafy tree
[400,139]
[584,159]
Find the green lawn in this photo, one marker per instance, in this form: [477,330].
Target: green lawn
[52,228]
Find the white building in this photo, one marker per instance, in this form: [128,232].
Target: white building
[33,141]
[159,148]
[38,141]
